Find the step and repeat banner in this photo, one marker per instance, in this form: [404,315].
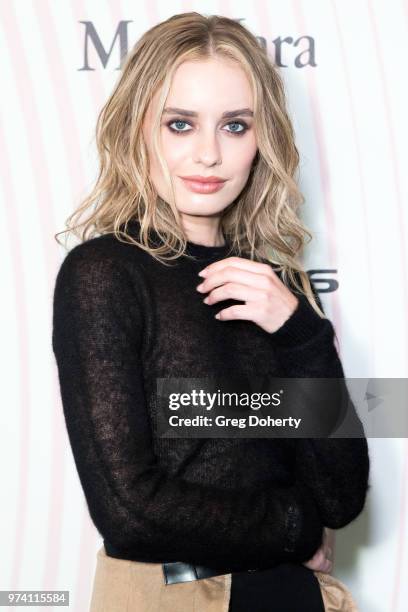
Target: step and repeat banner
[343,64]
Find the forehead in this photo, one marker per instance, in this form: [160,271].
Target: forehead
[210,86]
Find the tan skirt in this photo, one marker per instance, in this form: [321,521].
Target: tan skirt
[133,586]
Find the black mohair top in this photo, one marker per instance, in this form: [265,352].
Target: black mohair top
[121,320]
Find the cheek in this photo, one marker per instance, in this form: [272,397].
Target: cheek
[240,153]
[240,160]
[171,151]
[175,150]
[174,156]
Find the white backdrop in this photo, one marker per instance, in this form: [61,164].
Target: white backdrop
[347,92]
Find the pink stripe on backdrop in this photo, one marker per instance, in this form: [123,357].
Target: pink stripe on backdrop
[76,172]
[330,224]
[20,453]
[399,201]
[397,179]
[359,158]
[88,536]
[41,199]
[397,182]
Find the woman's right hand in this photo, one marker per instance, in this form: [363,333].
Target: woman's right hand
[322,559]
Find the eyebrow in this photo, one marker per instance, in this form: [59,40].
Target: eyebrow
[227,115]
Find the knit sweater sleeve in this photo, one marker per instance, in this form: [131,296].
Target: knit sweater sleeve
[335,469]
[132,501]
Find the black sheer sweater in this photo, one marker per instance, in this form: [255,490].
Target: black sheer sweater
[121,320]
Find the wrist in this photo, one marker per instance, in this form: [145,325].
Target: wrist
[300,327]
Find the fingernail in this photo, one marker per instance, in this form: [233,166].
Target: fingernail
[202,273]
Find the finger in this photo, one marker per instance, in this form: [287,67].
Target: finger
[231,274]
[237,312]
[241,263]
[315,565]
[320,556]
[309,564]
[322,566]
[234,291]
[318,561]
[330,538]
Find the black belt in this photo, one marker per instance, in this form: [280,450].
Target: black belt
[177,571]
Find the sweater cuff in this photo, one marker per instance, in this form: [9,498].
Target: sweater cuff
[303,325]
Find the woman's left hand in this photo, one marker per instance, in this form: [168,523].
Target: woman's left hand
[322,560]
[268,302]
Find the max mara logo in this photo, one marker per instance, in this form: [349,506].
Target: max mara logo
[300,51]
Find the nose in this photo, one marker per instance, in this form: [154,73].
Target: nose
[207,148]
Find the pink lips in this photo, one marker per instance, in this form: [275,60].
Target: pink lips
[203,184]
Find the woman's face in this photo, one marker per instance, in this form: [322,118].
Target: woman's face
[203,142]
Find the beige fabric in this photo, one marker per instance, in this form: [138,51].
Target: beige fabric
[335,594]
[133,586]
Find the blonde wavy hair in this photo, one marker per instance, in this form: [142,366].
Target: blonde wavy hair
[262,222]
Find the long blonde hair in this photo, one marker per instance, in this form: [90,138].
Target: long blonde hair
[263,221]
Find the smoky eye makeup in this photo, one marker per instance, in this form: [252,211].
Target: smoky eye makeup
[244,127]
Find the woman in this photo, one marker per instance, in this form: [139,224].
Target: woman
[197,523]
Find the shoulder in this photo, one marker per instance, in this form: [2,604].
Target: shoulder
[104,248]
[97,295]
[100,262]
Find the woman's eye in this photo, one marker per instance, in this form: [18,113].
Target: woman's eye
[239,124]
[180,124]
